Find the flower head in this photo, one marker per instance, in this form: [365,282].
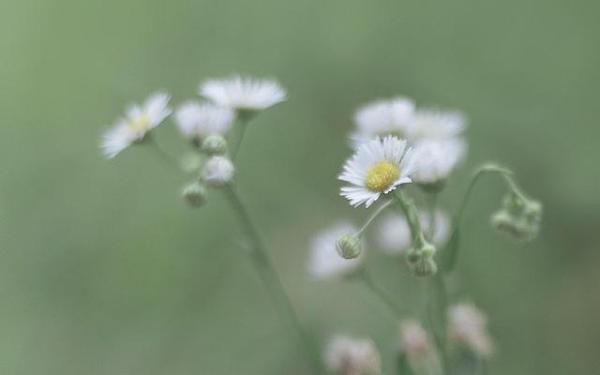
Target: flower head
[325,262]
[137,122]
[436,159]
[218,171]
[243,94]
[197,121]
[352,356]
[394,232]
[468,326]
[377,167]
[381,118]
[435,124]
[416,345]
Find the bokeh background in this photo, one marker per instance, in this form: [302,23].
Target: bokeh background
[103,270]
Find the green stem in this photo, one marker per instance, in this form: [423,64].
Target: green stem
[374,216]
[412,216]
[432,219]
[240,127]
[381,294]
[437,314]
[269,275]
[450,254]
[169,160]
[505,173]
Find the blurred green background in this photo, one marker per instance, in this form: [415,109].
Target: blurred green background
[103,270]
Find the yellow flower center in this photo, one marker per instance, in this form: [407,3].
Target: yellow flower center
[139,124]
[381,175]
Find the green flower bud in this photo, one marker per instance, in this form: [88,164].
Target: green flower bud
[214,144]
[194,194]
[349,246]
[519,217]
[421,260]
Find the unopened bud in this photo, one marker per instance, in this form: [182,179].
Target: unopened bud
[194,194]
[214,144]
[421,260]
[349,246]
[218,171]
[519,217]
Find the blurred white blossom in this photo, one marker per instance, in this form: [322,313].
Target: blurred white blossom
[137,122]
[436,159]
[467,325]
[244,94]
[381,118]
[352,356]
[197,121]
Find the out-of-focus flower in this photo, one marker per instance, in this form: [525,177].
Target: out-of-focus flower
[467,326]
[352,356]
[416,345]
[218,171]
[138,121]
[436,159]
[394,235]
[435,124]
[377,167]
[197,121]
[381,118]
[243,94]
[325,262]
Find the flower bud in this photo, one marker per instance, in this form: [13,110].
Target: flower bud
[194,194]
[214,144]
[218,171]
[349,246]
[421,260]
[519,217]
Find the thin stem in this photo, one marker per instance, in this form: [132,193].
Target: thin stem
[240,127]
[269,275]
[374,216]
[505,173]
[439,306]
[433,198]
[381,294]
[162,154]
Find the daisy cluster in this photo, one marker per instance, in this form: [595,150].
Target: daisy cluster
[402,158]
[395,145]
[207,123]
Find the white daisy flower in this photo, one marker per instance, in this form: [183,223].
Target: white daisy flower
[138,121]
[377,167]
[218,171]
[381,118]
[435,124]
[352,356]
[243,94]
[325,262]
[197,121]
[435,160]
[394,237]
[467,325]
